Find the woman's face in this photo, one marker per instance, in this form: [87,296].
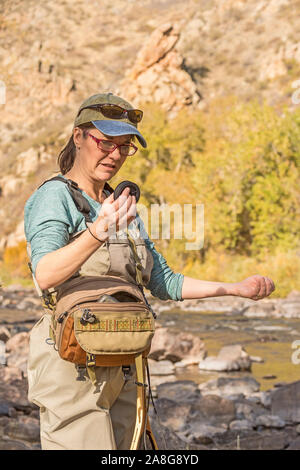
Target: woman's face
[94,162]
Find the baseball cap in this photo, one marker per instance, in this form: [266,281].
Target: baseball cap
[111,127]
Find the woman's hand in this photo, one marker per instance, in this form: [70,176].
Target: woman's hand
[114,215]
[255,287]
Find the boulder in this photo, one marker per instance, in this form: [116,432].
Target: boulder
[161,367]
[229,358]
[172,414]
[285,402]
[241,425]
[212,410]
[181,391]
[4,334]
[159,73]
[174,347]
[24,428]
[229,386]
[269,421]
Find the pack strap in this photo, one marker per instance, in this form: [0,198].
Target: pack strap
[140,424]
[81,203]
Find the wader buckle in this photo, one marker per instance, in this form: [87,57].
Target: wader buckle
[81,370]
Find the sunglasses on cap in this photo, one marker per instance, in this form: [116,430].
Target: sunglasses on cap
[113,111]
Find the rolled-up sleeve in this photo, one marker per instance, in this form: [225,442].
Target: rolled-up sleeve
[47,221]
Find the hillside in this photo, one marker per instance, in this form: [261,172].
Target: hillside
[176,53]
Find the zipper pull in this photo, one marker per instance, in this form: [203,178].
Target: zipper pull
[61,317]
[87,317]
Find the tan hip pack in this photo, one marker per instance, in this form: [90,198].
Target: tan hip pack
[102,321]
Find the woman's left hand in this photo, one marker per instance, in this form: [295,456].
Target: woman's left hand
[255,287]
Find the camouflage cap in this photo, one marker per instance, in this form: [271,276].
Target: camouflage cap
[107,126]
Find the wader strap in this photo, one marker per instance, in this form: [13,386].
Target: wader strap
[138,266]
[90,367]
[80,201]
[140,403]
[138,271]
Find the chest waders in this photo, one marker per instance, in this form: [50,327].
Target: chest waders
[91,331]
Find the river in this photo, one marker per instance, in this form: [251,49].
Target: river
[269,338]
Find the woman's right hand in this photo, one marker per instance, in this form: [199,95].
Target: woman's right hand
[114,215]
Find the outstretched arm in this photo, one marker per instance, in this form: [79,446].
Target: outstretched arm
[254,287]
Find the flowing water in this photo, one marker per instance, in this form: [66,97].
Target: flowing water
[269,338]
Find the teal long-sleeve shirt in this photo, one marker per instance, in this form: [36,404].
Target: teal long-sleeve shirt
[50,217]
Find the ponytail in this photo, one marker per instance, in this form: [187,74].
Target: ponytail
[67,155]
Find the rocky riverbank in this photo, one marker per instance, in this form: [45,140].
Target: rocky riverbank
[226,412]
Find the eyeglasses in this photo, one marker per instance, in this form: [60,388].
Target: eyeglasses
[113,111]
[109,146]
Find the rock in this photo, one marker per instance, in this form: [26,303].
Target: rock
[18,348]
[212,410]
[274,441]
[16,393]
[10,444]
[269,421]
[169,440]
[19,360]
[229,358]
[256,359]
[285,402]
[229,385]
[271,328]
[290,306]
[182,391]
[295,444]
[176,347]
[260,310]
[263,397]
[156,380]
[204,433]
[298,429]
[20,341]
[27,163]
[245,411]
[159,74]
[24,428]
[241,425]
[5,408]
[8,374]
[4,334]
[2,353]
[161,367]
[10,185]
[172,414]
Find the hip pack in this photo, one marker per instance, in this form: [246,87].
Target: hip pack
[102,321]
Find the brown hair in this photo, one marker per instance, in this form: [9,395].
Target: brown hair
[67,155]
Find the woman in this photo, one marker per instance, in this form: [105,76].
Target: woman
[74,413]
